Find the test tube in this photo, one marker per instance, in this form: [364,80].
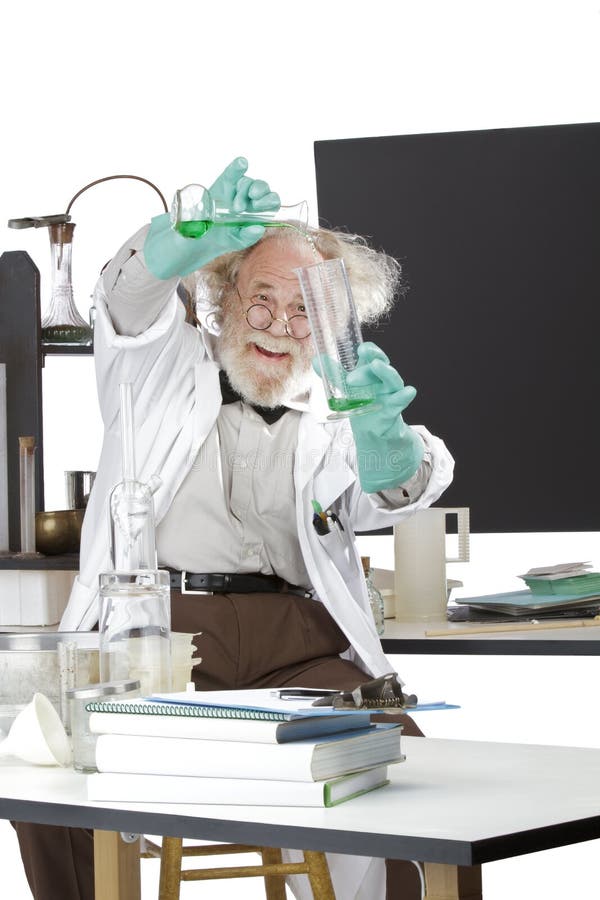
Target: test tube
[27,493]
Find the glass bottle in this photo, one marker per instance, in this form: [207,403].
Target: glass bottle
[375,597]
[135,617]
[61,324]
[135,628]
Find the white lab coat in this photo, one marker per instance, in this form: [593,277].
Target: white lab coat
[177,397]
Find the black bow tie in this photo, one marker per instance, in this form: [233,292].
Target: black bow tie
[230,395]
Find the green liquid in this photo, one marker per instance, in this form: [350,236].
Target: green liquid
[73,335]
[345,405]
[196,228]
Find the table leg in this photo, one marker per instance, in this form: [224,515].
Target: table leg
[445,882]
[116,867]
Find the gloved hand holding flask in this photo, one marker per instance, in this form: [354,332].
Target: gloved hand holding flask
[169,254]
[389,451]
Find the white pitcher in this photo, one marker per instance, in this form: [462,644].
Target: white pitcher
[420,562]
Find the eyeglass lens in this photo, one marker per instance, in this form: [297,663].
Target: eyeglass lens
[261,318]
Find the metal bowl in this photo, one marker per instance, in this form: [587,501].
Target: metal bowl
[58,531]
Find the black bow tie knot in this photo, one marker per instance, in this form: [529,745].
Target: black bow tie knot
[269,413]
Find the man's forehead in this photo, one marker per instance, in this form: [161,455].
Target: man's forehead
[272,262]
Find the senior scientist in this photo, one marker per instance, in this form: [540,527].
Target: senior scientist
[231,417]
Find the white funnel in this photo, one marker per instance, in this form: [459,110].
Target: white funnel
[37,735]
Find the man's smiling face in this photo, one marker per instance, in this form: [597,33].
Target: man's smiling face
[267,366]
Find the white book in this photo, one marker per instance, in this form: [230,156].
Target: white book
[308,760]
[128,788]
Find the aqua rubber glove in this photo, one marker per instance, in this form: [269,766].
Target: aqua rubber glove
[389,452]
[168,254]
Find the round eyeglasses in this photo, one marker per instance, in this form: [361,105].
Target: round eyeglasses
[260,317]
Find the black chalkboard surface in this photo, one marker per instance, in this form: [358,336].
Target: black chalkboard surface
[499,235]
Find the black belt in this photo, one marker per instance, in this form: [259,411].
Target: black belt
[216,583]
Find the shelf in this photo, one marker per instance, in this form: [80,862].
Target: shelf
[57,350]
[66,562]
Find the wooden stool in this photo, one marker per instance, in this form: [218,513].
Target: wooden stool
[272,868]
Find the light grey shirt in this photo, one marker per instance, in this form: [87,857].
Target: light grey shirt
[235,511]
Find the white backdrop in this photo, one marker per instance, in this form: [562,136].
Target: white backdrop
[172,92]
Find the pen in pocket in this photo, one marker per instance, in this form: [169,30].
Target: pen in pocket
[322,519]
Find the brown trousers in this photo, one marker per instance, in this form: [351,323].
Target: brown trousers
[247,641]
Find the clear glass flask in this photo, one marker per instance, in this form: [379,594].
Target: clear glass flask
[194,212]
[336,334]
[135,611]
[135,629]
[61,323]
[132,534]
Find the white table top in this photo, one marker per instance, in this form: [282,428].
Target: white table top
[457,802]
[411,637]
[495,563]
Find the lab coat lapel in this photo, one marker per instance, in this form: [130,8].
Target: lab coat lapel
[207,402]
[321,460]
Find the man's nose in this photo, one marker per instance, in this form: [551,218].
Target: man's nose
[278,326]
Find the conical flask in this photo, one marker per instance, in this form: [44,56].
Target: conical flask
[135,612]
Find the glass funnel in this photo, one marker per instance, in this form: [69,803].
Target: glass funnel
[194,212]
[61,324]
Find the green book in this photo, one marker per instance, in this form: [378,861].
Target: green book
[132,788]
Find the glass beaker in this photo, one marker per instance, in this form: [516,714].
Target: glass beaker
[78,485]
[84,741]
[336,334]
[61,323]
[135,628]
[194,212]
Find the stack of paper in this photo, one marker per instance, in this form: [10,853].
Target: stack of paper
[238,747]
[518,603]
[554,588]
[565,578]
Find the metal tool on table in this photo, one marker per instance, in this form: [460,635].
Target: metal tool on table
[383,693]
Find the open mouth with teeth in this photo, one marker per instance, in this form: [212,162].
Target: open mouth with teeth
[269,354]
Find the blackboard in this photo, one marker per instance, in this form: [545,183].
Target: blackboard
[498,233]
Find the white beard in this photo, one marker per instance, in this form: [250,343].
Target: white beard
[255,383]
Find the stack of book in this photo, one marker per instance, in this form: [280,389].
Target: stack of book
[237,747]
[556,590]
[574,579]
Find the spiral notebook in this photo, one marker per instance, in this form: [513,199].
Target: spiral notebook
[252,704]
[261,704]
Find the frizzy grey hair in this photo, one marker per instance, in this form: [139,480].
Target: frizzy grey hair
[375,277]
